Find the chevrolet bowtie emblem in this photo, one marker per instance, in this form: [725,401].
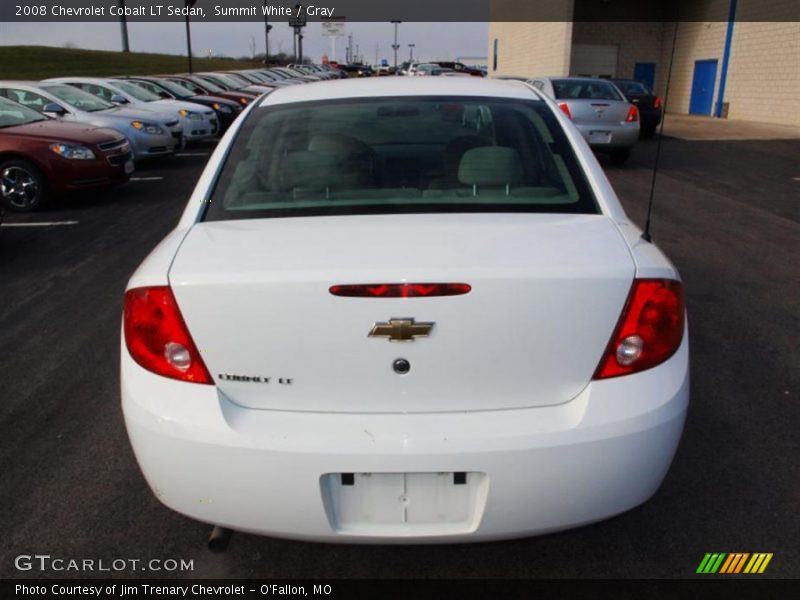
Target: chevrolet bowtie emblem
[401,330]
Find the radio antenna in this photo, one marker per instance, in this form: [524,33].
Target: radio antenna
[646,233]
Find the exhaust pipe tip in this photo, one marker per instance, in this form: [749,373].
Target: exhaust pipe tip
[219,539]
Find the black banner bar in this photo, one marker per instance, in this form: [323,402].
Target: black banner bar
[389,10]
[739,587]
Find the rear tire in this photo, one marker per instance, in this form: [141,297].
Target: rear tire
[23,188]
[620,157]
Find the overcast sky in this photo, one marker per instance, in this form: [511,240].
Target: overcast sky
[434,41]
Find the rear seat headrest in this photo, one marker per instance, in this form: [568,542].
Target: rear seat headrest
[490,166]
[311,170]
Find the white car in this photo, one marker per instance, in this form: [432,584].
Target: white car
[198,122]
[374,323]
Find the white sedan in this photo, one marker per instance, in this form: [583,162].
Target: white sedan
[378,321]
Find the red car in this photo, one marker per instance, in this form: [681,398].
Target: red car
[42,158]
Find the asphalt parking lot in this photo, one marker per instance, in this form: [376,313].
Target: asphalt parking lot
[726,213]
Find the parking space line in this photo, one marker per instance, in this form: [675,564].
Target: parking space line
[39,224]
[146,178]
[193,154]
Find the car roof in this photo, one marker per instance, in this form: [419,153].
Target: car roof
[25,82]
[400,86]
[104,80]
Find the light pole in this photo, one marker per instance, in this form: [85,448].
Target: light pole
[395,46]
[411,52]
[123,25]
[189,4]
[267,29]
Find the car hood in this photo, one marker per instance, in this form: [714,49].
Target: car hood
[124,116]
[171,107]
[217,99]
[64,132]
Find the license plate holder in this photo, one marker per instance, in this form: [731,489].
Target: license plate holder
[128,167]
[599,137]
[382,503]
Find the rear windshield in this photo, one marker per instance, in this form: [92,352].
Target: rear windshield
[633,88]
[400,155]
[588,89]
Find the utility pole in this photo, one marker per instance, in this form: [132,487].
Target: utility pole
[267,29]
[297,23]
[411,52]
[300,45]
[189,4]
[123,25]
[395,46]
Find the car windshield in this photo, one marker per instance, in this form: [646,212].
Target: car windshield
[175,89]
[633,88]
[400,155]
[78,98]
[232,83]
[13,114]
[585,89]
[138,92]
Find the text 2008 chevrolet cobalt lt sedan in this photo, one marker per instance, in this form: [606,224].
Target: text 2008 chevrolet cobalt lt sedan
[379,321]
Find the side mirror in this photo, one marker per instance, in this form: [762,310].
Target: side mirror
[164,95]
[54,109]
[117,99]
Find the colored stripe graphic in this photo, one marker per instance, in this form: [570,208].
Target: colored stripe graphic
[734,563]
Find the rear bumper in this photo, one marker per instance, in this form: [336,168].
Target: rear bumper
[622,135]
[545,469]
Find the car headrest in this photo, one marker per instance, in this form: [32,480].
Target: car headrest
[311,170]
[490,166]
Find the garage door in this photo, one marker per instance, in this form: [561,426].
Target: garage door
[594,60]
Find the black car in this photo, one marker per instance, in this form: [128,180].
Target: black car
[227,110]
[640,95]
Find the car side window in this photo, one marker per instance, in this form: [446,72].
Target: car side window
[150,87]
[29,99]
[95,90]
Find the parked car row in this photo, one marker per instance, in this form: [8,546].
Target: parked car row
[73,133]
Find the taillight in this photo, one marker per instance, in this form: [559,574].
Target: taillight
[649,331]
[657,102]
[400,290]
[633,114]
[565,109]
[157,337]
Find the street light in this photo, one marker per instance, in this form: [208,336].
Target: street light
[189,4]
[411,52]
[123,25]
[267,29]
[395,46]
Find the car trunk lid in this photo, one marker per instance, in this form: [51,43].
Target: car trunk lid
[547,291]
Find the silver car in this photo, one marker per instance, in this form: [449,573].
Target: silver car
[607,121]
[198,122]
[150,135]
